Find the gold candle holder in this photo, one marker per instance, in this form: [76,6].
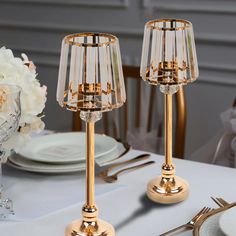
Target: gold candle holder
[169,60]
[90,81]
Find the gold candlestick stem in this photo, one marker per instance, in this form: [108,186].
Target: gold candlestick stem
[90,225]
[168,188]
[168,129]
[90,164]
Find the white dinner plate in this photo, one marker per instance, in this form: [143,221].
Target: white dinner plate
[210,226]
[227,222]
[22,163]
[61,148]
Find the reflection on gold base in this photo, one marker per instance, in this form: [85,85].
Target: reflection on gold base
[167,190]
[94,228]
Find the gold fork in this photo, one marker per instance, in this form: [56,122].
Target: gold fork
[220,201]
[102,171]
[113,178]
[189,225]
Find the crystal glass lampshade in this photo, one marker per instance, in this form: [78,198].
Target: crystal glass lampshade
[90,74]
[169,55]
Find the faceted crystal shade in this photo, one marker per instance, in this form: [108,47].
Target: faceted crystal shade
[90,74]
[169,54]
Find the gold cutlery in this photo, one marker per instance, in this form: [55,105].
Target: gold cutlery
[189,225]
[103,170]
[220,202]
[113,178]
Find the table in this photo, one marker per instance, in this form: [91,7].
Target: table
[46,204]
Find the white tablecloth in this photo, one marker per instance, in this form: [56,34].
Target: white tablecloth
[46,204]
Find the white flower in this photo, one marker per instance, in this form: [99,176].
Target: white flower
[20,72]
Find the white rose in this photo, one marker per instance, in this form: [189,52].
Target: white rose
[33,97]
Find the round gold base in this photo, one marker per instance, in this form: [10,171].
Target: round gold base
[82,228]
[167,190]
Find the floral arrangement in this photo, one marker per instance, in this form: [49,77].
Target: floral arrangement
[22,72]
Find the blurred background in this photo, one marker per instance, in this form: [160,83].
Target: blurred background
[36,27]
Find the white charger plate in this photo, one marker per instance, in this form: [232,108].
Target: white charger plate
[24,164]
[227,222]
[61,148]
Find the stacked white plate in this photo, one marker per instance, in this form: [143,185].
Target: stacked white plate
[63,153]
[220,224]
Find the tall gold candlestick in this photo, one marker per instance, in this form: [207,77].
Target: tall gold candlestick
[169,60]
[93,84]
